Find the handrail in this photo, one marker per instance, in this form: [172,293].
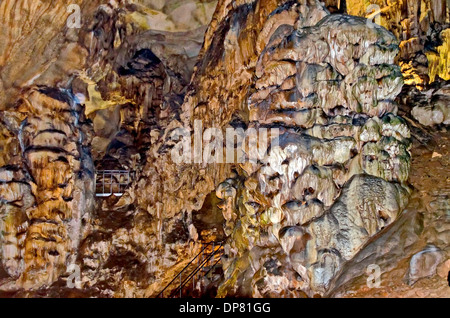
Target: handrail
[200,266]
[196,270]
[217,262]
[181,272]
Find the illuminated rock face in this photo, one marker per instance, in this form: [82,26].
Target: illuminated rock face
[142,69]
[129,65]
[47,196]
[419,25]
[24,59]
[431,107]
[423,30]
[336,175]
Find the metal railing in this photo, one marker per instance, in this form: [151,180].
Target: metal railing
[206,262]
[112,182]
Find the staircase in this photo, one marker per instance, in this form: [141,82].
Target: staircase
[198,278]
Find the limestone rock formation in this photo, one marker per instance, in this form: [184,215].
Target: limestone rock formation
[305,207]
[133,90]
[304,215]
[421,26]
[48,194]
[432,106]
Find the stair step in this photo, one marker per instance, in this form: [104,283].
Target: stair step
[205,264]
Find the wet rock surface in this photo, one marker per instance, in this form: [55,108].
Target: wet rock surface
[48,195]
[421,26]
[417,241]
[358,177]
[337,174]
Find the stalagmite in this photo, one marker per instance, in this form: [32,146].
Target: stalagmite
[299,146]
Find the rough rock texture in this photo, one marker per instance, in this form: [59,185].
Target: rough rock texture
[312,211]
[34,51]
[418,241]
[130,72]
[48,193]
[138,78]
[421,26]
[429,107]
[423,30]
[303,210]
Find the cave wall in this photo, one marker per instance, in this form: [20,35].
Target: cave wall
[47,192]
[312,80]
[422,28]
[125,80]
[137,70]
